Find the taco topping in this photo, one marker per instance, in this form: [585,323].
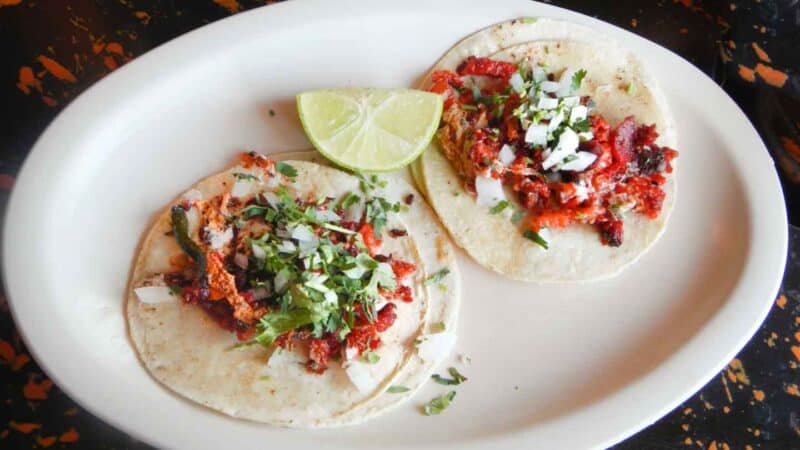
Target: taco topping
[286,271]
[518,128]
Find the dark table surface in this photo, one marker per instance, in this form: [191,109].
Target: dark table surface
[52,50]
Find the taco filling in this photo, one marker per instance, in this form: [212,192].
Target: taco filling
[280,270]
[519,129]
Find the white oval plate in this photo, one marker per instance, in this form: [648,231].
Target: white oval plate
[555,366]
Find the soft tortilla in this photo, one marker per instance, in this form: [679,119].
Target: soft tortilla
[575,253]
[191,355]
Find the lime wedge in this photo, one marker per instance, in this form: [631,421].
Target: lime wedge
[370,130]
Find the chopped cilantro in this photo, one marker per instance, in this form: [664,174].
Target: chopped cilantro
[456,380]
[286,169]
[397,389]
[370,357]
[440,327]
[245,176]
[437,276]
[631,89]
[535,237]
[577,79]
[439,404]
[265,378]
[467,107]
[499,207]
[529,19]
[582,125]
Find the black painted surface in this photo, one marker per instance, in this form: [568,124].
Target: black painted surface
[88,38]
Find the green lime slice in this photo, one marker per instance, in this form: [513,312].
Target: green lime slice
[370,130]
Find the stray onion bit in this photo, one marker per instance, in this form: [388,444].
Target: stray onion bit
[154,294]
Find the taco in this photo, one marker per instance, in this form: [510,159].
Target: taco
[292,293]
[554,157]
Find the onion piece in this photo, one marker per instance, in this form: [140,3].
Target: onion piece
[262,292]
[361,377]
[567,144]
[326,215]
[549,86]
[489,191]
[154,294]
[555,121]
[565,83]
[435,347]
[577,114]
[286,246]
[218,239]
[241,188]
[507,155]
[240,259]
[516,82]
[302,233]
[354,212]
[272,199]
[536,135]
[258,252]
[547,103]
[192,195]
[282,357]
[581,162]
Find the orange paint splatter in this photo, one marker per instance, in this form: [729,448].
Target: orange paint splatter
[6,181]
[727,390]
[730,375]
[797,336]
[731,44]
[28,81]
[9,2]
[791,146]
[143,16]
[796,351]
[7,352]
[634,23]
[792,389]
[747,73]
[687,411]
[758,395]
[231,5]
[683,31]
[34,390]
[46,441]
[115,47]
[686,3]
[773,77]
[69,436]
[98,47]
[685,427]
[71,412]
[725,446]
[726,410]
[781,301]
[49,101]
[57,70]
[20,361]
[762,55]
[738,369]
[24,427]
[110,63]
[712,445]
[4,434]
[687,441]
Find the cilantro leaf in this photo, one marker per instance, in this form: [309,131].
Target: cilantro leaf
[499,207]
[370,357]
[439,404]
[577,79]
[272,325]
[535,237]
[245,176]
[456,380]
[437,276]
[397,389]
[286,169]
[582,125]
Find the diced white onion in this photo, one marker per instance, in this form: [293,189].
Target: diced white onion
[258,252]
[361,377]
[286,246]
[565,83]
[262,292]
[192,195]
[549,86]
[516,82]
[435,347]
[571,101]
[281,280]
[326,215]
[536,135]
[567,144]
[547,103]
[544,233]
[302,233]
[581,162]
[354,212]
[350,353]
[154,294]
[272,199]
[507,155]
[241,188]
[489,191]
[240,259]
[555,121]
[218,239]
[539,74]
[586,136]
[331,297]
[578,113]
[581,190]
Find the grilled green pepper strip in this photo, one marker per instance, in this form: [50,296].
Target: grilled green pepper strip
[180,228]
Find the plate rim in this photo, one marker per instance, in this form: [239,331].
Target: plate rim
[185,47]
